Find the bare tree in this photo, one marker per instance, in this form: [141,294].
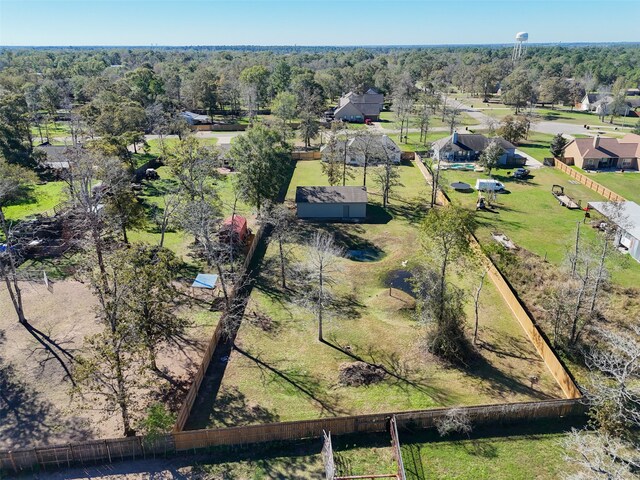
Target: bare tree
[171,204]
[387,176]
[600,456]
[456,420]
[476,305]
[321,266]
[282,220]
[613,389]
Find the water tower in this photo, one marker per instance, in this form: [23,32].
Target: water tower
[520,47]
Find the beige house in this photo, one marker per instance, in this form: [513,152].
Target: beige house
[604,153]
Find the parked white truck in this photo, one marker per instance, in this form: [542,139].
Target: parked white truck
[488,185]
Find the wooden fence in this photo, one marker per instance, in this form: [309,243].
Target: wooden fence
[588,182]
[220,127]
[110,450]
[304,156]
[187,405]
[549,357]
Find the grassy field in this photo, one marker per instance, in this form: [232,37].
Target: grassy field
[626,184]
[519,452]
[389,120]
[154,143]
[57,130]
[532,217]
[286,374]
[41,199]
[175,239]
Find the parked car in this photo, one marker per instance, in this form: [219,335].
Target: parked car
[520,173]
[368,121]
[489,185]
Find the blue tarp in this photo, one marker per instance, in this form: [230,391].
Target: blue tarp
[205,280]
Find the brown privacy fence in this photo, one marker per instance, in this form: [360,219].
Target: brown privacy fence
[588,182]
[187,405]
[108,451]
[549,357]
[304,156]
[220,127]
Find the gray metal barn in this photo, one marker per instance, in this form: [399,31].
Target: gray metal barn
[332,202]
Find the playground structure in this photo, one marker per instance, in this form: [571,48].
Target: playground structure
[564,199]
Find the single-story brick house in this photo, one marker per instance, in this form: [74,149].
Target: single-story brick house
[336,203]
[378,148]
[467,147]
[604,152]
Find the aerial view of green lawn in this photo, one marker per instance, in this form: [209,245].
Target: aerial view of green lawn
[284,373]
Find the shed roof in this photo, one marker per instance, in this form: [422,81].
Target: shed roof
[331,195]
[624,214]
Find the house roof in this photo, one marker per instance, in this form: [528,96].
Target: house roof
[357,143]
[607,148]
[624,214]
[471,142]
[331,195]
[348,109]
[56,155]
[196,117]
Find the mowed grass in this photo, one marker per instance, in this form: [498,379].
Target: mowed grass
[510,452]
[626,184]
[389,120]
[176,239]
[287,374]
[171,142]
[39,199]
[532,217]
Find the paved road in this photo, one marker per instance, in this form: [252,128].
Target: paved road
[552,128]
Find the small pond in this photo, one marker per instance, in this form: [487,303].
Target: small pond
[400,280]
[365,255]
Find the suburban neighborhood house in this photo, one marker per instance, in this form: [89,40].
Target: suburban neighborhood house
[604,153]
[339,203]
[601,104]
[467,147]
[357,108]
[196,118]
[375,149]
[626,215]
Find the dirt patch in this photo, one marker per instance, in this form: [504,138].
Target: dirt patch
[36,407]
[357,374]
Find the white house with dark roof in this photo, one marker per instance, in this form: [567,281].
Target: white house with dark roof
[336,203]
[357,108]
[626,216]
[467,147]
[376,148]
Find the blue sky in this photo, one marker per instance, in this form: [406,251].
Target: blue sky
[314,22]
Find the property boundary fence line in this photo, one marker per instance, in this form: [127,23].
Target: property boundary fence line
[553,364]
[305,156]
[397,451]
[187,404]
[588,182]
[194,389]
[110,450]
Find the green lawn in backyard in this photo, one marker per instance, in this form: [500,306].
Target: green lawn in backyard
[177,240]
[40,199]
[626,184]
[537,145]
[287,374]
[57,130]
[532,217]
[388,120]
[515,452]
[171,142]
